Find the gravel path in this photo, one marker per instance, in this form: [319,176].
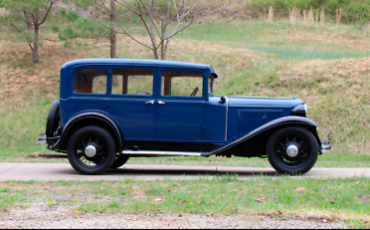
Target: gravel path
[43,216]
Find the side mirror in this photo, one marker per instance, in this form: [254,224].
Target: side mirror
[223,99]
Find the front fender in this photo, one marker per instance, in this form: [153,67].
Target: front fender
[283,121]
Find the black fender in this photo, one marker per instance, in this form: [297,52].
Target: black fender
[280,122]
[89,118]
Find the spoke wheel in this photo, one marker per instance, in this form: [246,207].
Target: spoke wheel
[119,161]
[292,150]
[91,150]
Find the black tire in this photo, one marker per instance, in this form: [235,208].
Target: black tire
[119,161]
[102,142]
[307,154]
[53,124]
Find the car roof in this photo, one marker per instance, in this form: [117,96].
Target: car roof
[134,62]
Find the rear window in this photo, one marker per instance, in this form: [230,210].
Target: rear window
[90,81]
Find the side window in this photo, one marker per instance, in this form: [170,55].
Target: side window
[182,83]
[132,81]
[90,81]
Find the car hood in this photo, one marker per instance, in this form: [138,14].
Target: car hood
[261,102]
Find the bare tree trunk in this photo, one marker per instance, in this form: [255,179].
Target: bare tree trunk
[113,40]
[164,44]
[151,30]
[35,50]
[164,49]
[113,37]
[155,53]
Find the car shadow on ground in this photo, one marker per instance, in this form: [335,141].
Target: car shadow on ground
[180,172]
[159,174]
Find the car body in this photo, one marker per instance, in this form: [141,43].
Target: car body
[166,108]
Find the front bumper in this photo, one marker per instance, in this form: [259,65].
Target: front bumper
[41,139]
[326,147]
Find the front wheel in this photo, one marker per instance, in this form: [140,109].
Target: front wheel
[91,150]
[292,150]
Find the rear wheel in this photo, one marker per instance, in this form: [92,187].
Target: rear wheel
[91,150]
[119,161]
[292,150]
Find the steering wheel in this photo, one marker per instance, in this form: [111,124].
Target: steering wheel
[195,91]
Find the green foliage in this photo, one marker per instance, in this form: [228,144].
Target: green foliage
[71,16]
[19,8]
[55,28]
[87,25]
[79,27]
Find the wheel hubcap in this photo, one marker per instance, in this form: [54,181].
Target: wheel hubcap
[292,151]
[90,151]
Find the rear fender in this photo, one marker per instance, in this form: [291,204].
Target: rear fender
[269,128]
[89,118]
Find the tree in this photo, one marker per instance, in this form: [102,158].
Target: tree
[163,19]
[24,15]
[104,12]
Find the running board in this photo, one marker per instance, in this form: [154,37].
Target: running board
[159,153]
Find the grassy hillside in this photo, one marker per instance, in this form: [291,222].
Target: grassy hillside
[328,67]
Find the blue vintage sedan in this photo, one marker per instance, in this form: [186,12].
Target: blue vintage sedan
[113,109]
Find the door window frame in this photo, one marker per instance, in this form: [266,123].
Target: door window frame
[204,97]
[154,88]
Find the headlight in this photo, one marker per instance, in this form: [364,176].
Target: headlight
[300,110]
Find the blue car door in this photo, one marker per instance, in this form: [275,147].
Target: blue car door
[180,105]
[132,102]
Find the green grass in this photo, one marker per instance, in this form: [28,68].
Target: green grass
[342,199]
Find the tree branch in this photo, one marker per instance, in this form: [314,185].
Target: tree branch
[28,41]
[47,12]
[127,6]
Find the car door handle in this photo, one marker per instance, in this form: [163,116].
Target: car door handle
[161,102]
[150,102]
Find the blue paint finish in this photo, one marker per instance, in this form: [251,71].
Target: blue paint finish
[249,119]
[181,119]
[215,120]
[76,105]
[132,63]
[260,102]
[136,118]
[247,114]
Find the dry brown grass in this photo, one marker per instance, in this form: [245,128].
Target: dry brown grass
[22,77]
[270,16]
[293,16]
[322,17]
[356,42]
